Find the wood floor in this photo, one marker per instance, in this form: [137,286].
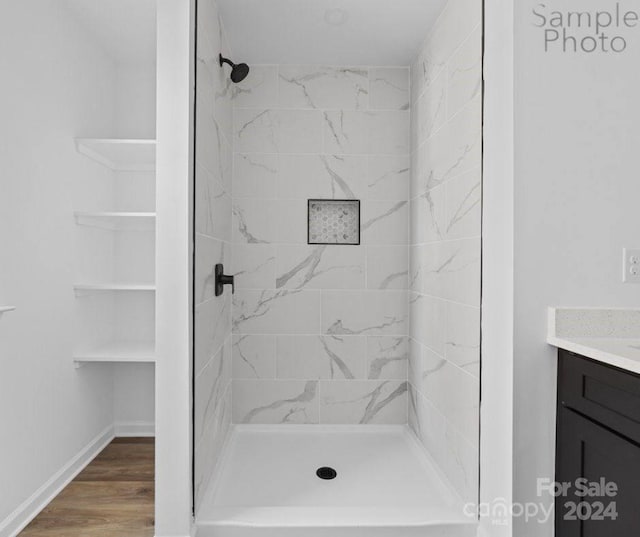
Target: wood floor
[112,497]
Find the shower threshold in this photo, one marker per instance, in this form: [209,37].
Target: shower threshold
[385,485]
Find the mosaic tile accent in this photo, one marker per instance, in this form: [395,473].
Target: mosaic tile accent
[334,222]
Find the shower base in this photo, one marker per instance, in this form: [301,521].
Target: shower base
[385,486]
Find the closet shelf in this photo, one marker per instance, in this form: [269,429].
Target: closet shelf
[5,309]
[116,220]
[120,154]
[118,352]
[114,287]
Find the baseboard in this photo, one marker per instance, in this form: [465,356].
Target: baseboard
[135,428]
[29,509]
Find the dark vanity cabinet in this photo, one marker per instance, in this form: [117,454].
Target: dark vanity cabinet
[597,449]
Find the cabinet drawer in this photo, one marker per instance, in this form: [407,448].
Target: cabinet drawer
[603,393]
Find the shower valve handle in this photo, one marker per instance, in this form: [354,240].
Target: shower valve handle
[223,279]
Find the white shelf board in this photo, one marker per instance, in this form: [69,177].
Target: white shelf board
[116,220]
[120,154]
[5,309]
[114,287]
[118,352]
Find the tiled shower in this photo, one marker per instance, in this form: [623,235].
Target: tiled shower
[320,328]
[381,333]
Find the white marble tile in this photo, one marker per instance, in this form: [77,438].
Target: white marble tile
[430,111]
[255,175]
[463,337]
[365,401]
[387,357]
[213,151]
[416,172]
[364,312]
[454,392]
[384,222]
[223,109]
[389,133]
[290,218]
[212,325]
[458,21]
[209,30]
[255,131]
[208,253]
[462,464]
[414,365]
[253,221]
[416,268]
[366,133]
[320,267]
[346,133]
[454,25]
[452,271]
[428,321]
[275,401]
[299,131]
[213,182]
[387,267]
[213,205]
[209,449]
[429,425]
[321,357]
[254,357]
[254,266]
[278,131]
[389,88]
[213,86]
[276,312]
[465,73]
[419,74]
[388,177]
[322,176]
[209,75]
[464,205]
[324,87]
[428,217]
[455,149]
[259,89]
[211,384]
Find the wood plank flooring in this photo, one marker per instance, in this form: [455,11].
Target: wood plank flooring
[112,497]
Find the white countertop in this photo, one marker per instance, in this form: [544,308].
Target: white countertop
[621,353]
[610,336]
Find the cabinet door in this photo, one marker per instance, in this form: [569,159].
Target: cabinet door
[587,450]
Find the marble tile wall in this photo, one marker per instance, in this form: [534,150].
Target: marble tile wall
[212,323]
[445,231]
[320,332]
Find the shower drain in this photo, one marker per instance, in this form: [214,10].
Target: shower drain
[326,473]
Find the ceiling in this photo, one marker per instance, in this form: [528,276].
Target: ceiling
[126,29]
[337,32]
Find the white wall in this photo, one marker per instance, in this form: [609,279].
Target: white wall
[322,327]
[445,214]
[174,175]
[496,409]
[136,101]
[576,195]
[58,86]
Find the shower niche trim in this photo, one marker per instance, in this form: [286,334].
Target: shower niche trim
[333,222]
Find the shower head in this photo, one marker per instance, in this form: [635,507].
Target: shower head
[238,71]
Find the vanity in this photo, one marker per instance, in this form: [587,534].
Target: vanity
[598,421]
